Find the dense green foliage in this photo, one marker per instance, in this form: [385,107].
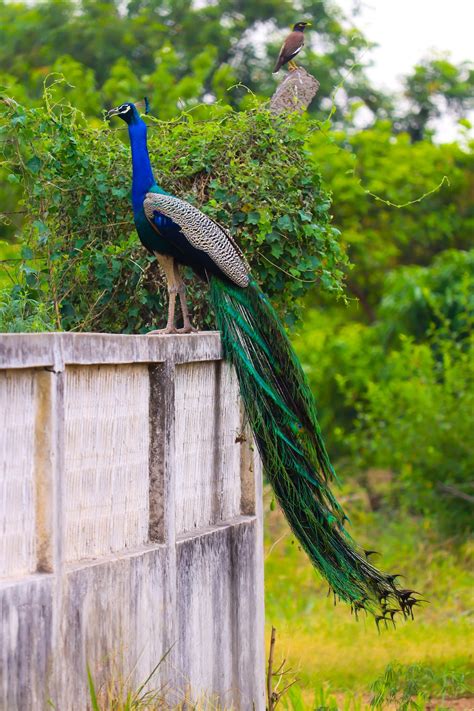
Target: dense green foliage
[379,236]
[415,418]
[81,253]
[436,87]
[432,301]
[397,395]
[182,53]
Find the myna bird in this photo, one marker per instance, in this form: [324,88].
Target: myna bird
[291,46]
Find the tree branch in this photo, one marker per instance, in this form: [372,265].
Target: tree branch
[454,491]
[271,705]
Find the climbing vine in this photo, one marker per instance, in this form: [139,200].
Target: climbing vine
[81,257]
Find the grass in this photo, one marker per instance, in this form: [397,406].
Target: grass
[404,684]
[119,693]
[123,697]
[328,647]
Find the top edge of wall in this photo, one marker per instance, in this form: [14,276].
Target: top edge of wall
[56,350]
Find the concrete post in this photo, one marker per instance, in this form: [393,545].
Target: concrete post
[295,92]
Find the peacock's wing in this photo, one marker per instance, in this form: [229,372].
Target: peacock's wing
[202,233]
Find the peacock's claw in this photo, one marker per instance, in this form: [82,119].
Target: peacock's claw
[168,331]
[172,330]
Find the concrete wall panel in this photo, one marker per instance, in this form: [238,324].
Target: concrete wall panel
[114,620]
[106,467]
[216,572]
[26,628]
[17,460]
[207,454]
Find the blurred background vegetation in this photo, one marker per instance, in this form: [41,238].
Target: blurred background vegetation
[376,285]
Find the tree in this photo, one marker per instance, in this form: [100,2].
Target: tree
[370,173]
[240,38]
[436,87]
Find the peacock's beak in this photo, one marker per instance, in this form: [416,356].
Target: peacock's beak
[113,112]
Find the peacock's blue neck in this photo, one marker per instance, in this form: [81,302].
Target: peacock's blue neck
[143,178]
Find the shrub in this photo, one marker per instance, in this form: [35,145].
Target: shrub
[248,170]
[416,420]
[419,300]
[21,312]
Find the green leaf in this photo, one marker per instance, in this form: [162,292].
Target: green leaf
[253,218]
[285,222]
[40,226]
[34,165]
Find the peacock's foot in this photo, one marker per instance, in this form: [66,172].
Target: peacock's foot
[187,328]
[172,330]
[169,330]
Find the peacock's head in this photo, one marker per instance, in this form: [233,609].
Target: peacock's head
[130,112]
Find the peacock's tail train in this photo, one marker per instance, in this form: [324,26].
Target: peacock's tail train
[282,414]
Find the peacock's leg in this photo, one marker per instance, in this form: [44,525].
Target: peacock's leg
[187,326]
[168,266]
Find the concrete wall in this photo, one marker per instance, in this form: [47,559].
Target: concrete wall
[130,521]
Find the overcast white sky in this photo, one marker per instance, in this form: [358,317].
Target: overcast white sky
[407,29]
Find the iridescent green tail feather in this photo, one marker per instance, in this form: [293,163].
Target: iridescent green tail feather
[282,414]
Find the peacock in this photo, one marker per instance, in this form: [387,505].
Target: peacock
[277,398]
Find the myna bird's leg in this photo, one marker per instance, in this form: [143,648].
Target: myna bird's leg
[168,266]
[187,327]
[292,66]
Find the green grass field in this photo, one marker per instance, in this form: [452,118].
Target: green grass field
[325,646]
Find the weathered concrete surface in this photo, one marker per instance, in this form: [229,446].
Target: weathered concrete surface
[295,93]
[115,616]
[54,350]
[215,572]
[106,477]
[207,424]
[130,521]
[26,642]
[17,496]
